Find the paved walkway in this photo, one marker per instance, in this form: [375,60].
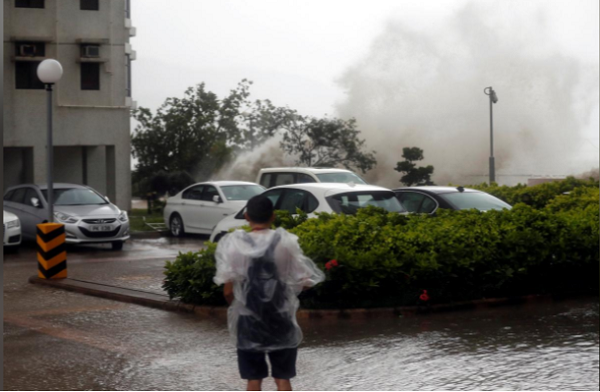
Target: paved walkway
[139,266]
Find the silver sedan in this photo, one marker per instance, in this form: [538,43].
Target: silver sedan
[88,216]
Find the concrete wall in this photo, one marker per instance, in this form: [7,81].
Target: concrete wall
[18,165]
[96,168]
[83,119]
[68,165]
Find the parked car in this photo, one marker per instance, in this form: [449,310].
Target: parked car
[313,198]
[12,230]
[88,216]
[199,207]
[427,199]
[277,176]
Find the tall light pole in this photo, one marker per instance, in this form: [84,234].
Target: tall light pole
[50,71]
[493,99]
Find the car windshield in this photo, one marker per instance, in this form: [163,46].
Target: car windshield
[478,200]
[349,203]
[75,197]
[241,192]
[341,177]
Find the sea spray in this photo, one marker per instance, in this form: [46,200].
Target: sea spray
[425,89]
[247,165]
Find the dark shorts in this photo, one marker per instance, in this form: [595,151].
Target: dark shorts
[253,365]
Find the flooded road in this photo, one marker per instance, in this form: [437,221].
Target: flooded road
[57,340]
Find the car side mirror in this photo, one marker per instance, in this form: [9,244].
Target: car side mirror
[217,199]
[107,199]
[36,202]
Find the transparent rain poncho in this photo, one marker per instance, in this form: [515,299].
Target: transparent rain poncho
[268,271]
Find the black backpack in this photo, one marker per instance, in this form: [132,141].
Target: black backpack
[270,325]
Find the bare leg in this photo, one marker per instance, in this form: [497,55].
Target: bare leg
[254,385]
[283,385]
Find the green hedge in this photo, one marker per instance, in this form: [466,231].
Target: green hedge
[389,259]
[386,259]
[537,196]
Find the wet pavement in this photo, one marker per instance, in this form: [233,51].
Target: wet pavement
[139,265]
[58,340]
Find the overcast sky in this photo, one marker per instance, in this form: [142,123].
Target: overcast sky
[296,52]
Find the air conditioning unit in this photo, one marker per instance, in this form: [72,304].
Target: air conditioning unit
[91,51]
[27,50]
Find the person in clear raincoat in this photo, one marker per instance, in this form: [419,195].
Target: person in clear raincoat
[263,272]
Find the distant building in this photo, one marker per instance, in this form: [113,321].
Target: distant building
[92,101]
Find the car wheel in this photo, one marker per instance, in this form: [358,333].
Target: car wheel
[176,226]
[117,245]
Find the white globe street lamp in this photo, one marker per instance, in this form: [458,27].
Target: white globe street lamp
[50,71]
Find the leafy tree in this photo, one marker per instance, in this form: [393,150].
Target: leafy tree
[261,122]
[326,142]
[199,133]
[414,175]
[191,134]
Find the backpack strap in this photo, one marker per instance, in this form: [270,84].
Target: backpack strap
[246,237]
[274,243]
[271,249]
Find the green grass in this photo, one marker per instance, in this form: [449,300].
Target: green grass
[136,221]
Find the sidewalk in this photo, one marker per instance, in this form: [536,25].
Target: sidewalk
[136,281]
[140,282]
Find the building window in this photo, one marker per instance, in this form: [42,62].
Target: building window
[29,3]
[128,9]
[26,75]
[89,5]
[26,71]
[90,76]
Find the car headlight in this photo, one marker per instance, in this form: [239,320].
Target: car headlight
[123,216]
[65,218]
[14,223]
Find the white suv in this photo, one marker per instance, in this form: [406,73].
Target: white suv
[303,175]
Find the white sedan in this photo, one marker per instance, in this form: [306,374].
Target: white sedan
[318,197]
[12,229]
[199,207]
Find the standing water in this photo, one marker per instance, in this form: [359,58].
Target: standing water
[58,340]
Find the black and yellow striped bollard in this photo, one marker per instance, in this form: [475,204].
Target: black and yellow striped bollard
[52,251]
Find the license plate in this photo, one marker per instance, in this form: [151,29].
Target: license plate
[100,228]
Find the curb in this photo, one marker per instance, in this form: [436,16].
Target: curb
[407,311]
[162,301]
[138,297]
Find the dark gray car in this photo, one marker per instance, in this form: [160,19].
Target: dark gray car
[427,199]
[88,216]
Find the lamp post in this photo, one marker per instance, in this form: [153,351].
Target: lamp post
[489,91]
[50,71]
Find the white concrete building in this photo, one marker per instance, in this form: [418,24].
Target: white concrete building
[92,101]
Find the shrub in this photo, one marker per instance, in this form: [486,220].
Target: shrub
[190,277]
[579,198]
[386,259]
[536,196]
